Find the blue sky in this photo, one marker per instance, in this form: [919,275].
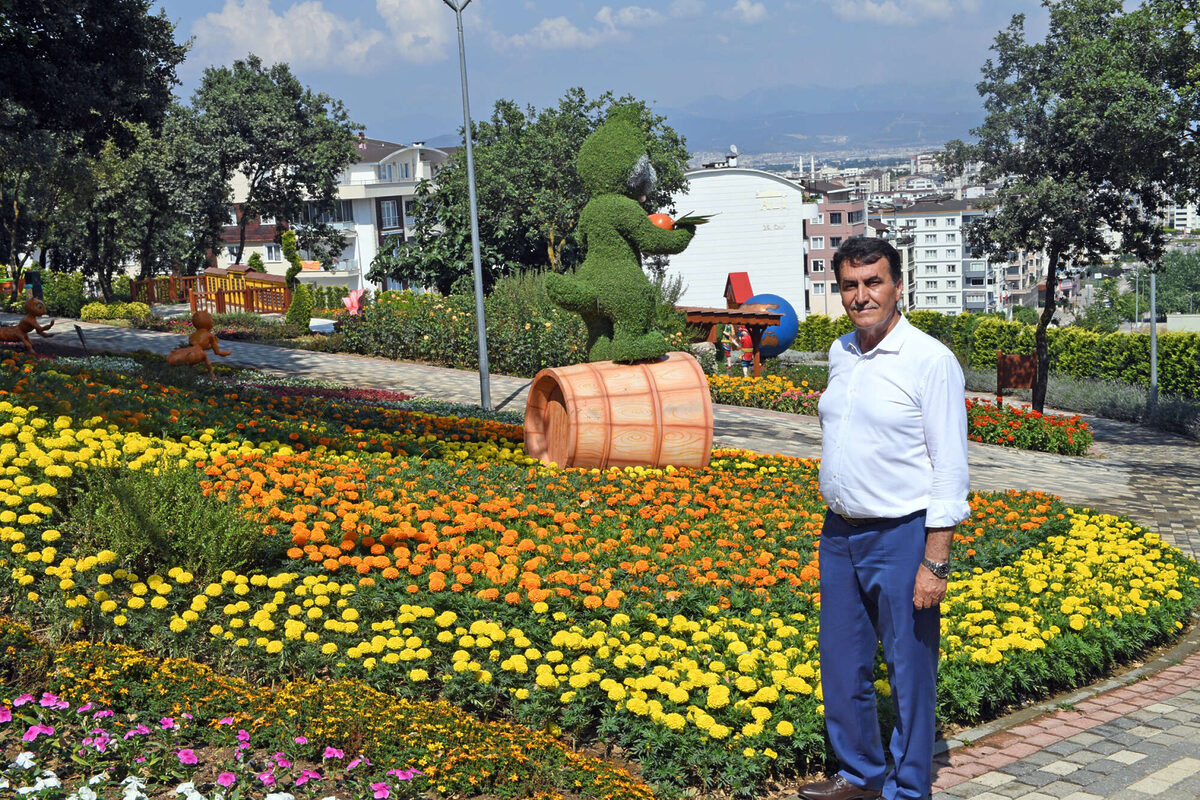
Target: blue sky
[394,63]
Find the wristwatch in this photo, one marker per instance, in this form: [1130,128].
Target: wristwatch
[941,569]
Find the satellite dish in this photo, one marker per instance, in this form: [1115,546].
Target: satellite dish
[733,149]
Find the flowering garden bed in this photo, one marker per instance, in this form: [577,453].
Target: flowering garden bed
[416,592]
[1004,425]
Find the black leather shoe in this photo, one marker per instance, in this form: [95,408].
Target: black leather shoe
[837,789]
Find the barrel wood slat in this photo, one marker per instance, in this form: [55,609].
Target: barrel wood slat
[619,415]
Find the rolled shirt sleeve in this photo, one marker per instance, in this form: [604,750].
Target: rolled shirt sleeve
[944,417]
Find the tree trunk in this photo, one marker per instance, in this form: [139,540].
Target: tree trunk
[1043,346]
[241,236]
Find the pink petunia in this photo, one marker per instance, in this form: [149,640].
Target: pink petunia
[381,791]
[225,721]
[333,752]
[22,700]
[186,756]
[243,735]
[168,724]
[107,712]
[37,730]
[48,700]
[226,779]
[307,775]
[300,740]
[267,778]
[5,714]
[282,761]
[85,708]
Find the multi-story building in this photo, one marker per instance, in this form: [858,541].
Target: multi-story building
[840,213]
[946,276]
[375,202]
[757,228]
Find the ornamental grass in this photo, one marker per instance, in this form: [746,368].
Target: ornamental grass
[669,615]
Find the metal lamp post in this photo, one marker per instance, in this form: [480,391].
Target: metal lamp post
[485,390]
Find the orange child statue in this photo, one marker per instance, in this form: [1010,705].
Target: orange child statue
[34,308]
[203,339]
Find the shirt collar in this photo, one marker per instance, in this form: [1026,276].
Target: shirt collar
[892,342]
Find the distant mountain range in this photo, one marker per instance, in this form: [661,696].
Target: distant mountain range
[822,121]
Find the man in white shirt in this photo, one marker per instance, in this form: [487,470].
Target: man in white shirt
[894,475]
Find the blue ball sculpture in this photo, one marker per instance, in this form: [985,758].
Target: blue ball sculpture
[776,338]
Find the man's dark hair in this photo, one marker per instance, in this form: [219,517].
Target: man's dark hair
[862,250]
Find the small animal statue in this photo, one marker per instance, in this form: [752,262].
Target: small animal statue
[34,308]
[609,289]
[203,339]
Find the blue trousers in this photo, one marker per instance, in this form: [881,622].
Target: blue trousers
[867,577]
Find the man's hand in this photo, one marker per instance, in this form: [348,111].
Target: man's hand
[929,590]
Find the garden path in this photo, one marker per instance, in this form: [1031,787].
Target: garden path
[1136,735]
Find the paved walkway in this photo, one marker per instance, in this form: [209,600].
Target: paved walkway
[1134,736]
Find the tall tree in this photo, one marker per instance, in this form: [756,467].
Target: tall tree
[529,194]
[84,68]
[289,143]
[1083,133]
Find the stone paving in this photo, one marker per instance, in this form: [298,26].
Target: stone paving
[1133,736]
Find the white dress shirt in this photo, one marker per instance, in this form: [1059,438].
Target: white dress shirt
[894,429]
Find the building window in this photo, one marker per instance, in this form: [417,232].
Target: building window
[410,207]
[952,252]
[951,268]
[819,219]
[951,237]
[930,284]
[404,171]
[816,265]
[952,223]
[818,288]
[855,217]
[835,218]
[951,284]
[274,252]
[266,220]
[389,216]
[818,243]
[231,252]
[931,238]
[835,242]
[931,223]
[386,172]
[951,300]
[931,253]
[232,219]
[930,300]
[931,269]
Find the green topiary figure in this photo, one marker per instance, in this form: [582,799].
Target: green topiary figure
[609,289]
[287,243]
[255,262]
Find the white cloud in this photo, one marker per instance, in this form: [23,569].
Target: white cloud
[748,11]
[560,33]
[901,12]
[687,8]
[303,34]
[421,29]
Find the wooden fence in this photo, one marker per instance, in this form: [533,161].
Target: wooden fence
[218,290]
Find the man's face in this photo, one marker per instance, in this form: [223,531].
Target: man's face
[869,295]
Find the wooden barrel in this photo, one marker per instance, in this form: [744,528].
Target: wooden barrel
[621,415]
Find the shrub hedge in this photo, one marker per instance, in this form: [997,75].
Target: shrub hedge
[1074,352]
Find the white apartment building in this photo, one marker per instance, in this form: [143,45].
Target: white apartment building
[1184,219]
[375,197]
[758,228]
[945,276]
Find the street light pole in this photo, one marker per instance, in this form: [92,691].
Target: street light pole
[485,389]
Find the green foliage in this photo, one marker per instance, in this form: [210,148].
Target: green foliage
[299,313]
[136,313]
[817,332]
[255,262]
[330,296]
[63,293]
[163,516]
[530,195]
[290,255]
[1025,314]
[936,325]
[1077,125]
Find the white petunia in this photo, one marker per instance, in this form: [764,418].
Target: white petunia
[25,760]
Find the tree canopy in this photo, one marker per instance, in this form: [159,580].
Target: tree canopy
[528,192]
[288,142]
[1084,132]
[85,69]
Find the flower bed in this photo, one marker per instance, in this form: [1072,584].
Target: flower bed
[1021,426]
[670,613]
[1004,425]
